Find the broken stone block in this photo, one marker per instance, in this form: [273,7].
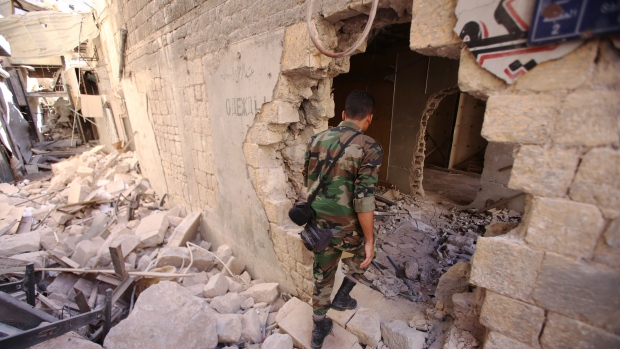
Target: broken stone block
[224,252]
[251,324]
[564,332]
[229,303]
[278,341]
[75,230]
[455,280]
[234,265]
[341,317]
[121,168]
[175,221]
[398,335]
[459,339]
[19,243]
[8,189]
[247,303]
[77,193]
[229,327]
[84,171]
[499,341]
[143,262]
[186,231]
[84,285]
[366,325]
[499,261]
[197,279]
[203,260]
[152,229]
[217,286]
[234,286]
[87,249]
[411,270]
[37,257]
[63,284]
[512,318]
[160,319]
[246,277]
[61,217]
[115,187]
[296,320]
[265,292]
[173,256]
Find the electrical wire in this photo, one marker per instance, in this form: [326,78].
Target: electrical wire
[356,45]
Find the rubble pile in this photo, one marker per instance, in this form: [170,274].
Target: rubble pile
[98,225]
[424,238]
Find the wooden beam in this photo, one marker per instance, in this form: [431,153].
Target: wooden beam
[54,94]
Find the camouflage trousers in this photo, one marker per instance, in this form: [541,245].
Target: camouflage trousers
[326,265]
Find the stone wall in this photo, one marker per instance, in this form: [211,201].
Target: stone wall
[233,150]
[551,282]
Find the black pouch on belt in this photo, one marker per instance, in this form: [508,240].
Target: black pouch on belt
[301,213]
[316,239]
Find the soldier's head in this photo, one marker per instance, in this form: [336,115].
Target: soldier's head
[358,108]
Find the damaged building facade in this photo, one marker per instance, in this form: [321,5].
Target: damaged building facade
[224,95]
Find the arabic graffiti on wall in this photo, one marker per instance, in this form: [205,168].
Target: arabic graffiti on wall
[496,32]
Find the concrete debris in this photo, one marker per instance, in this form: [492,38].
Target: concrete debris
[97,209]
[160,320]
[278,341]
[366,325]
[397,335]
[230,303]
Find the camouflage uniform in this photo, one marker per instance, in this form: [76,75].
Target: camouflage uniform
[348,189]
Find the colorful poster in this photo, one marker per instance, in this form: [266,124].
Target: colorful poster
[496,32]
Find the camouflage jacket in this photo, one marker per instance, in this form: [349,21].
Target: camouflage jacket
[350,187]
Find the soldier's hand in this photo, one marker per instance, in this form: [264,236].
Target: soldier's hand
[369,249]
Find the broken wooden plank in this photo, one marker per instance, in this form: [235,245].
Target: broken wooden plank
[111,271]
[25,225]
[81,302]
[116,253]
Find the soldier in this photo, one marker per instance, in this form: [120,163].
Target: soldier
[346,203]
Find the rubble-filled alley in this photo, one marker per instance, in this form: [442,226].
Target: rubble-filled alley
[150,152]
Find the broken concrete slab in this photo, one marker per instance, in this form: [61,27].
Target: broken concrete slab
[398,335]
[87,249]
[224,252]
[186,231]
[229,327]
[173,256]
[366,325]
[152,229]
[160,320]
[278,341]
[265,292]
[19,243]
[235,266]
[8,189]
[230,303]
[217,286]
[77,193]
[39,258]
[298,323]
[251,323]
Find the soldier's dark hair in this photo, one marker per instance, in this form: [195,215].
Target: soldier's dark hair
[359,104]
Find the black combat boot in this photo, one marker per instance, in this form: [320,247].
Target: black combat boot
[321,329]
[342,300]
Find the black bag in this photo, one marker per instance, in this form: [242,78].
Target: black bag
[314,238]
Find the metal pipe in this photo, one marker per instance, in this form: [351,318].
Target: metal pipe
[358,43]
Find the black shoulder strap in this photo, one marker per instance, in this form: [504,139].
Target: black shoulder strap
[329,169]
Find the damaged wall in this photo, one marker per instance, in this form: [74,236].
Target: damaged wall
[559,269]
[561,265]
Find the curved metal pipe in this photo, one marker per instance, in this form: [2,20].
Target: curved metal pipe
[350,50]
